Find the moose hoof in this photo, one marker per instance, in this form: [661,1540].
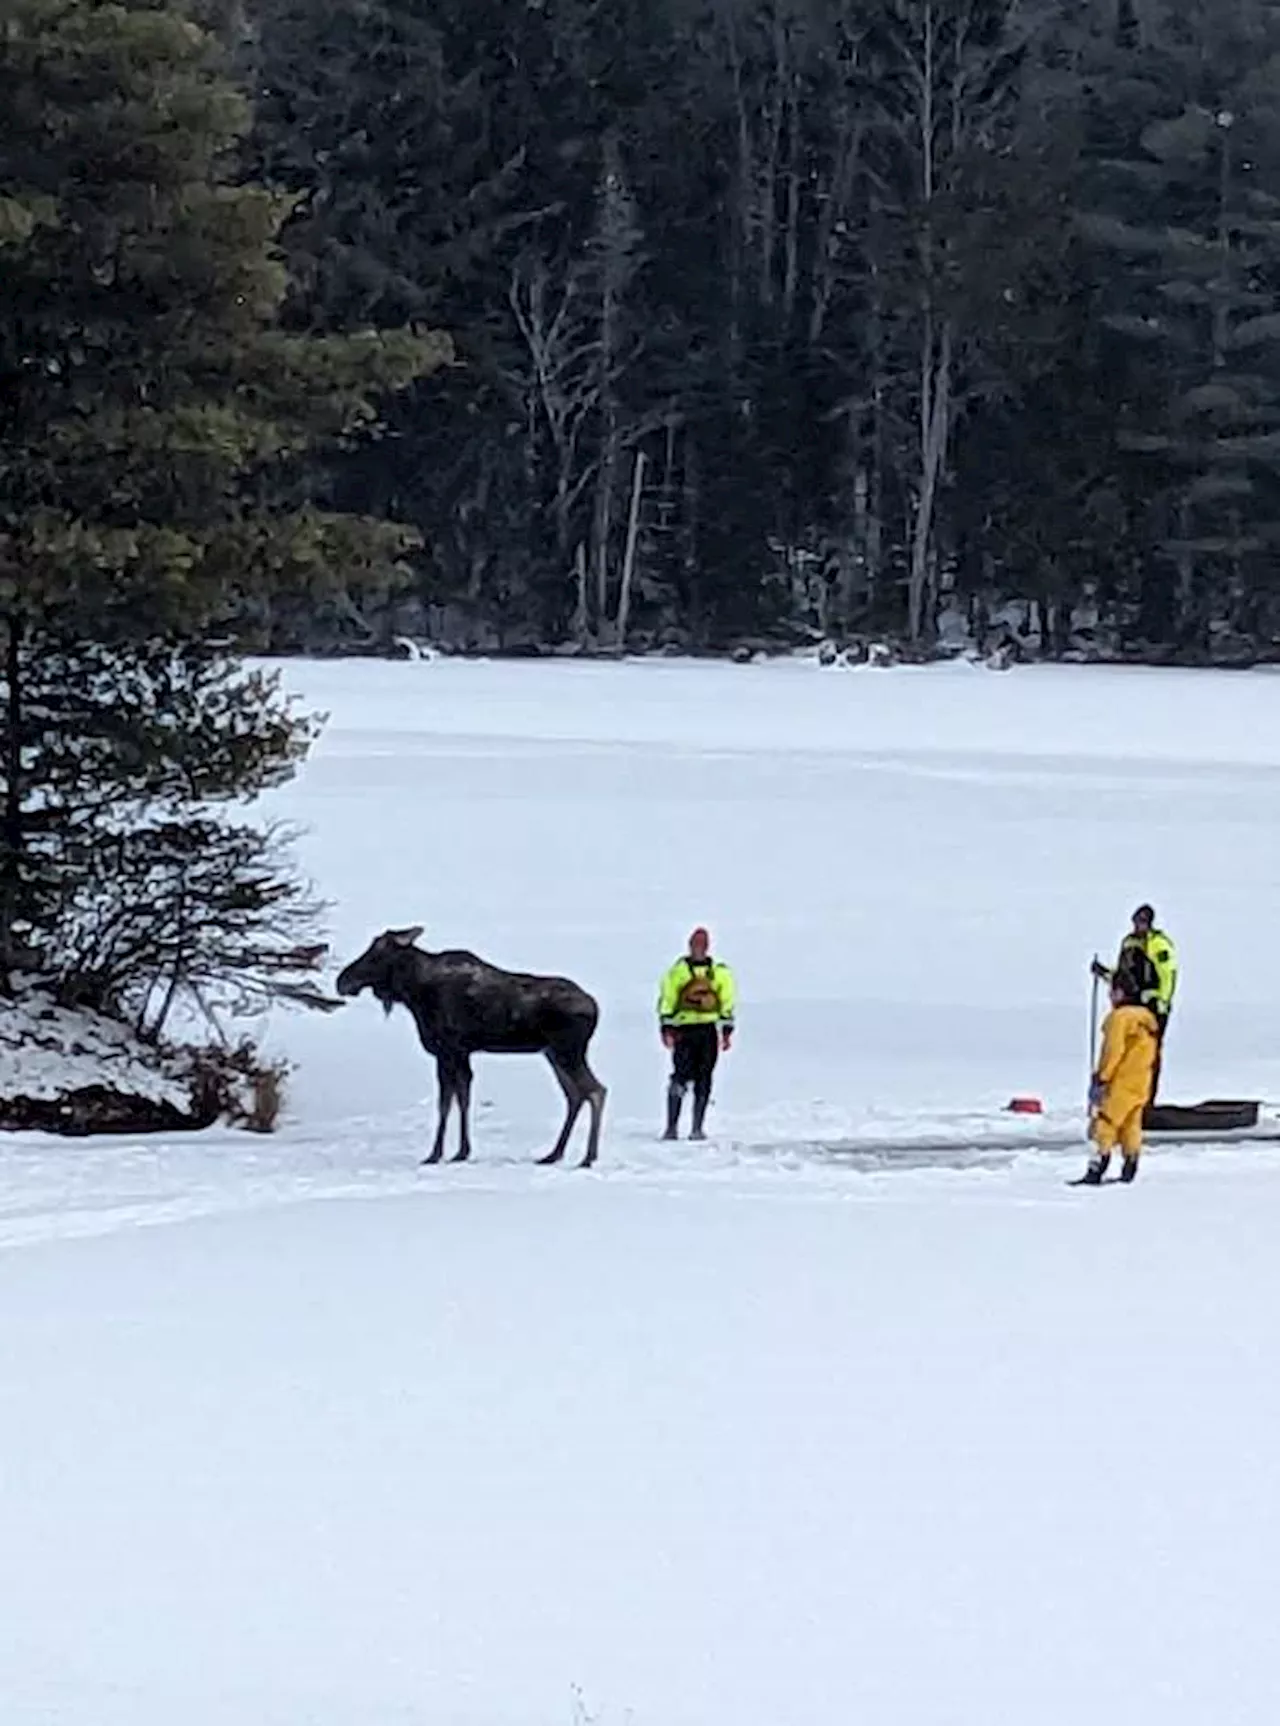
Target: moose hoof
[431,1157]
[461,1156]
[551,1157]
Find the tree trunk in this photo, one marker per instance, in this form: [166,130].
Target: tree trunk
[932,374]
[935,420]
[741,228]
[582,608]
[766,189]
[615,235]
[856,571]
[602,526]
[629,556]
[476,553]
[177,977]
[879,445]
[1186,566]
[834,204]
[12,829]
[795,172]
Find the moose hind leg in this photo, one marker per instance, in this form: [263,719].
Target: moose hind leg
[445,1083]
[580,1086]
[574,1100]
[594,1094]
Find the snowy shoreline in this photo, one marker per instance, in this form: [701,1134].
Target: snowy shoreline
[75,1072]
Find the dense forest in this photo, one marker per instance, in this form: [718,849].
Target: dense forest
[779,316]
[765,319]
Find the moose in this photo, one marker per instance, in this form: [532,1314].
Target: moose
[463,1006]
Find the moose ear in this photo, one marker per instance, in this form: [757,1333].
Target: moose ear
[406,937]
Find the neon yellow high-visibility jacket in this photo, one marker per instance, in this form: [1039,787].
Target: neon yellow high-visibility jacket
[1163,955]
[697,992]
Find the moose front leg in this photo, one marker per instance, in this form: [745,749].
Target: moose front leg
[462,1090]
[445,1089]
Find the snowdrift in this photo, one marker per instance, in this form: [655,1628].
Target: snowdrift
[76,1072]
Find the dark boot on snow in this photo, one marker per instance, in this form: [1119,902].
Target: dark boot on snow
[700,1102]
[675,1099]
[1094,1173]
[1129,1168]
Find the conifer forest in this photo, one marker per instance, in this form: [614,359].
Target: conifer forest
[798,315]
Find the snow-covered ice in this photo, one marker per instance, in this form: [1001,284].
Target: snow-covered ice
[740,1435]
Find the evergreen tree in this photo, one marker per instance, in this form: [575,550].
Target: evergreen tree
[155,429]
[1186,220]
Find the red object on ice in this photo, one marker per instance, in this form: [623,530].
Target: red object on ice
[1026,1106]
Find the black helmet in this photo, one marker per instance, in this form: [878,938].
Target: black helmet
[1144,914]
[1134,972]
[1126,986]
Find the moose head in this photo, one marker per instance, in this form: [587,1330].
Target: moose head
[376,967]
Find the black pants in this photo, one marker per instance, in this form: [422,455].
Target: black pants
[693,1060]
[1162,1026]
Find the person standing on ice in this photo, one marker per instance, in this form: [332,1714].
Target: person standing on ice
[1150,959]
[1122,1083]
[695,1017]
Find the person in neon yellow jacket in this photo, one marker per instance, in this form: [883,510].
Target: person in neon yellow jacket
[1149,958]
[695,1017]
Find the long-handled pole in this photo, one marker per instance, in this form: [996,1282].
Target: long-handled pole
[1093,1030]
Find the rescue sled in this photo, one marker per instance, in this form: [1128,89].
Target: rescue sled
[1196,1120]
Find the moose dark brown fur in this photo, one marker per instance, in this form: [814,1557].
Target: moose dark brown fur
[463,1006]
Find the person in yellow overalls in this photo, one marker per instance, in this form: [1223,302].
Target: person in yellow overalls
[695,1018]
[1122,1083]
[1151,960]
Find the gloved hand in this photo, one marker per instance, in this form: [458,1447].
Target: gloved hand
[726,1038]
[1098,969]
[1097,1090]
[668,1037]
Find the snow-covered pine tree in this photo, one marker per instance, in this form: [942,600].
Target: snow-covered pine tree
[152,416]
[139,886]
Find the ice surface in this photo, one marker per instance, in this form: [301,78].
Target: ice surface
[729,1436]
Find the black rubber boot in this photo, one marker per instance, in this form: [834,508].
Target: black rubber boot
[1094,1173]
[675,1100]
[1129,1168]
[700,1101]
